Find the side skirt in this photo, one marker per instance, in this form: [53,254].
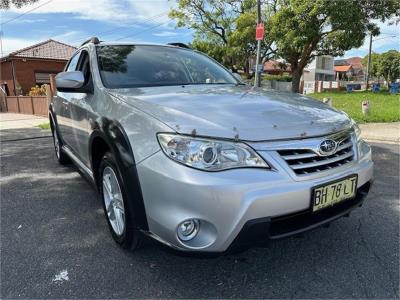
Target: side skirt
[81,166]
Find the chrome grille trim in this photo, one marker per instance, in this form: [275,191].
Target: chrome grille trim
[304,158]
[322,162]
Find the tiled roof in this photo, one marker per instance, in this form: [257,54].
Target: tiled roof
[49,49]
[273,65]
[342,68]
[355,62]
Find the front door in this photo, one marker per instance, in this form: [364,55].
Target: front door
[62,107]
[80,106]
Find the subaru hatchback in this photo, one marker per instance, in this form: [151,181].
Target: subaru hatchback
[183,152]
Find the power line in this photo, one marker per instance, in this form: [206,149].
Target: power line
[145,30]
[25,13]
[110,31]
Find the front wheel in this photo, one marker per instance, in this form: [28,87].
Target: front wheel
[118,211]
[62,158]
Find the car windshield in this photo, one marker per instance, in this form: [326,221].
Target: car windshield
[124,66]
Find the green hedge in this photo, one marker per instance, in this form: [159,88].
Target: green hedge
[285,78]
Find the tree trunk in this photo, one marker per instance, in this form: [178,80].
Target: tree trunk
[296,76]
[246,70]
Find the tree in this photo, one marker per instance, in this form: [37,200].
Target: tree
[389,65]
[304,29]
[5,4]
[386,65]
[373,69]
[224,29]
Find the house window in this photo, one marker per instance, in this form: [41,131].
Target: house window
[42,78]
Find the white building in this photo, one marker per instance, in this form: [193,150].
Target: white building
[321,69]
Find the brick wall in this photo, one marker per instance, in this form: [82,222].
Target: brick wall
[25,70]
[6,76]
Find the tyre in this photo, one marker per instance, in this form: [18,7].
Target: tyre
[62,158]
[118,211]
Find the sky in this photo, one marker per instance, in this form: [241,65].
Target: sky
[73,21]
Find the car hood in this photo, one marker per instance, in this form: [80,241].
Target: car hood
[239,112]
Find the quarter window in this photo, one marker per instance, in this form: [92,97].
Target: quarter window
[73,62]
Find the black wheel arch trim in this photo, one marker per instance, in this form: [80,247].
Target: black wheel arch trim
[53,117]
[112,133]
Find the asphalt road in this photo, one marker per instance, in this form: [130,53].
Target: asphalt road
[53,228]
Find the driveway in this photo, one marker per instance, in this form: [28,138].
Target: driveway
[55,243]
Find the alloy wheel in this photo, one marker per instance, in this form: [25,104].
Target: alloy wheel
[113,201]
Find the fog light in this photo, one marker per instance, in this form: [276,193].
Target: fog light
[188,229]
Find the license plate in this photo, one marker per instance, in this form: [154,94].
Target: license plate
[331,193]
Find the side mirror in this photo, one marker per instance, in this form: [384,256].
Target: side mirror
[72,82]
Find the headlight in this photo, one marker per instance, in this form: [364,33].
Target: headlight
[208,154]
[357,130]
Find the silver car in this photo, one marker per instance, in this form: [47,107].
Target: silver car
[183,152]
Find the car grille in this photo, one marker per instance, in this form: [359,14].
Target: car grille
[306,161]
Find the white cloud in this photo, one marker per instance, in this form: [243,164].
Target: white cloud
[114,11]
[165,33]
[14,44]
[388,39]
[28,21]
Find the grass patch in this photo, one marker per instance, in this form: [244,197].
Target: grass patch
[44,126]
[383,107]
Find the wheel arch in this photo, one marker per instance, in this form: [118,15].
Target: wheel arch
[52,118]
[109,135]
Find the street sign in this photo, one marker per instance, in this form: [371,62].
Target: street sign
[260,32]
[260,68]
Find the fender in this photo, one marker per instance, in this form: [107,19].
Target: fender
[113,134]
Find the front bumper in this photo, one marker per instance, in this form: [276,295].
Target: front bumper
[227,202]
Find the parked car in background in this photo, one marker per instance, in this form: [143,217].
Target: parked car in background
[181,151]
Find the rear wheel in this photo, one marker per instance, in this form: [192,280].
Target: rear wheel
[62,158]
[118,211]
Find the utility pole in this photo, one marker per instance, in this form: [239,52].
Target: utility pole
[257,80]
[369,60]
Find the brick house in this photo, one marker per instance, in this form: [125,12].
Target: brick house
[25,68]
[349,69]
[275,67]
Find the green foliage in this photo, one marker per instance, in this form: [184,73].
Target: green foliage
[384,107]
[224,29]
[386,65]
[303,29]
[45,126]
[296,30]
[389,65]
[285,78]
[212,47]
[373,70]
[5,4]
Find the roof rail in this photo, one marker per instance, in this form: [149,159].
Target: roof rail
[181,45]
[93,40]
